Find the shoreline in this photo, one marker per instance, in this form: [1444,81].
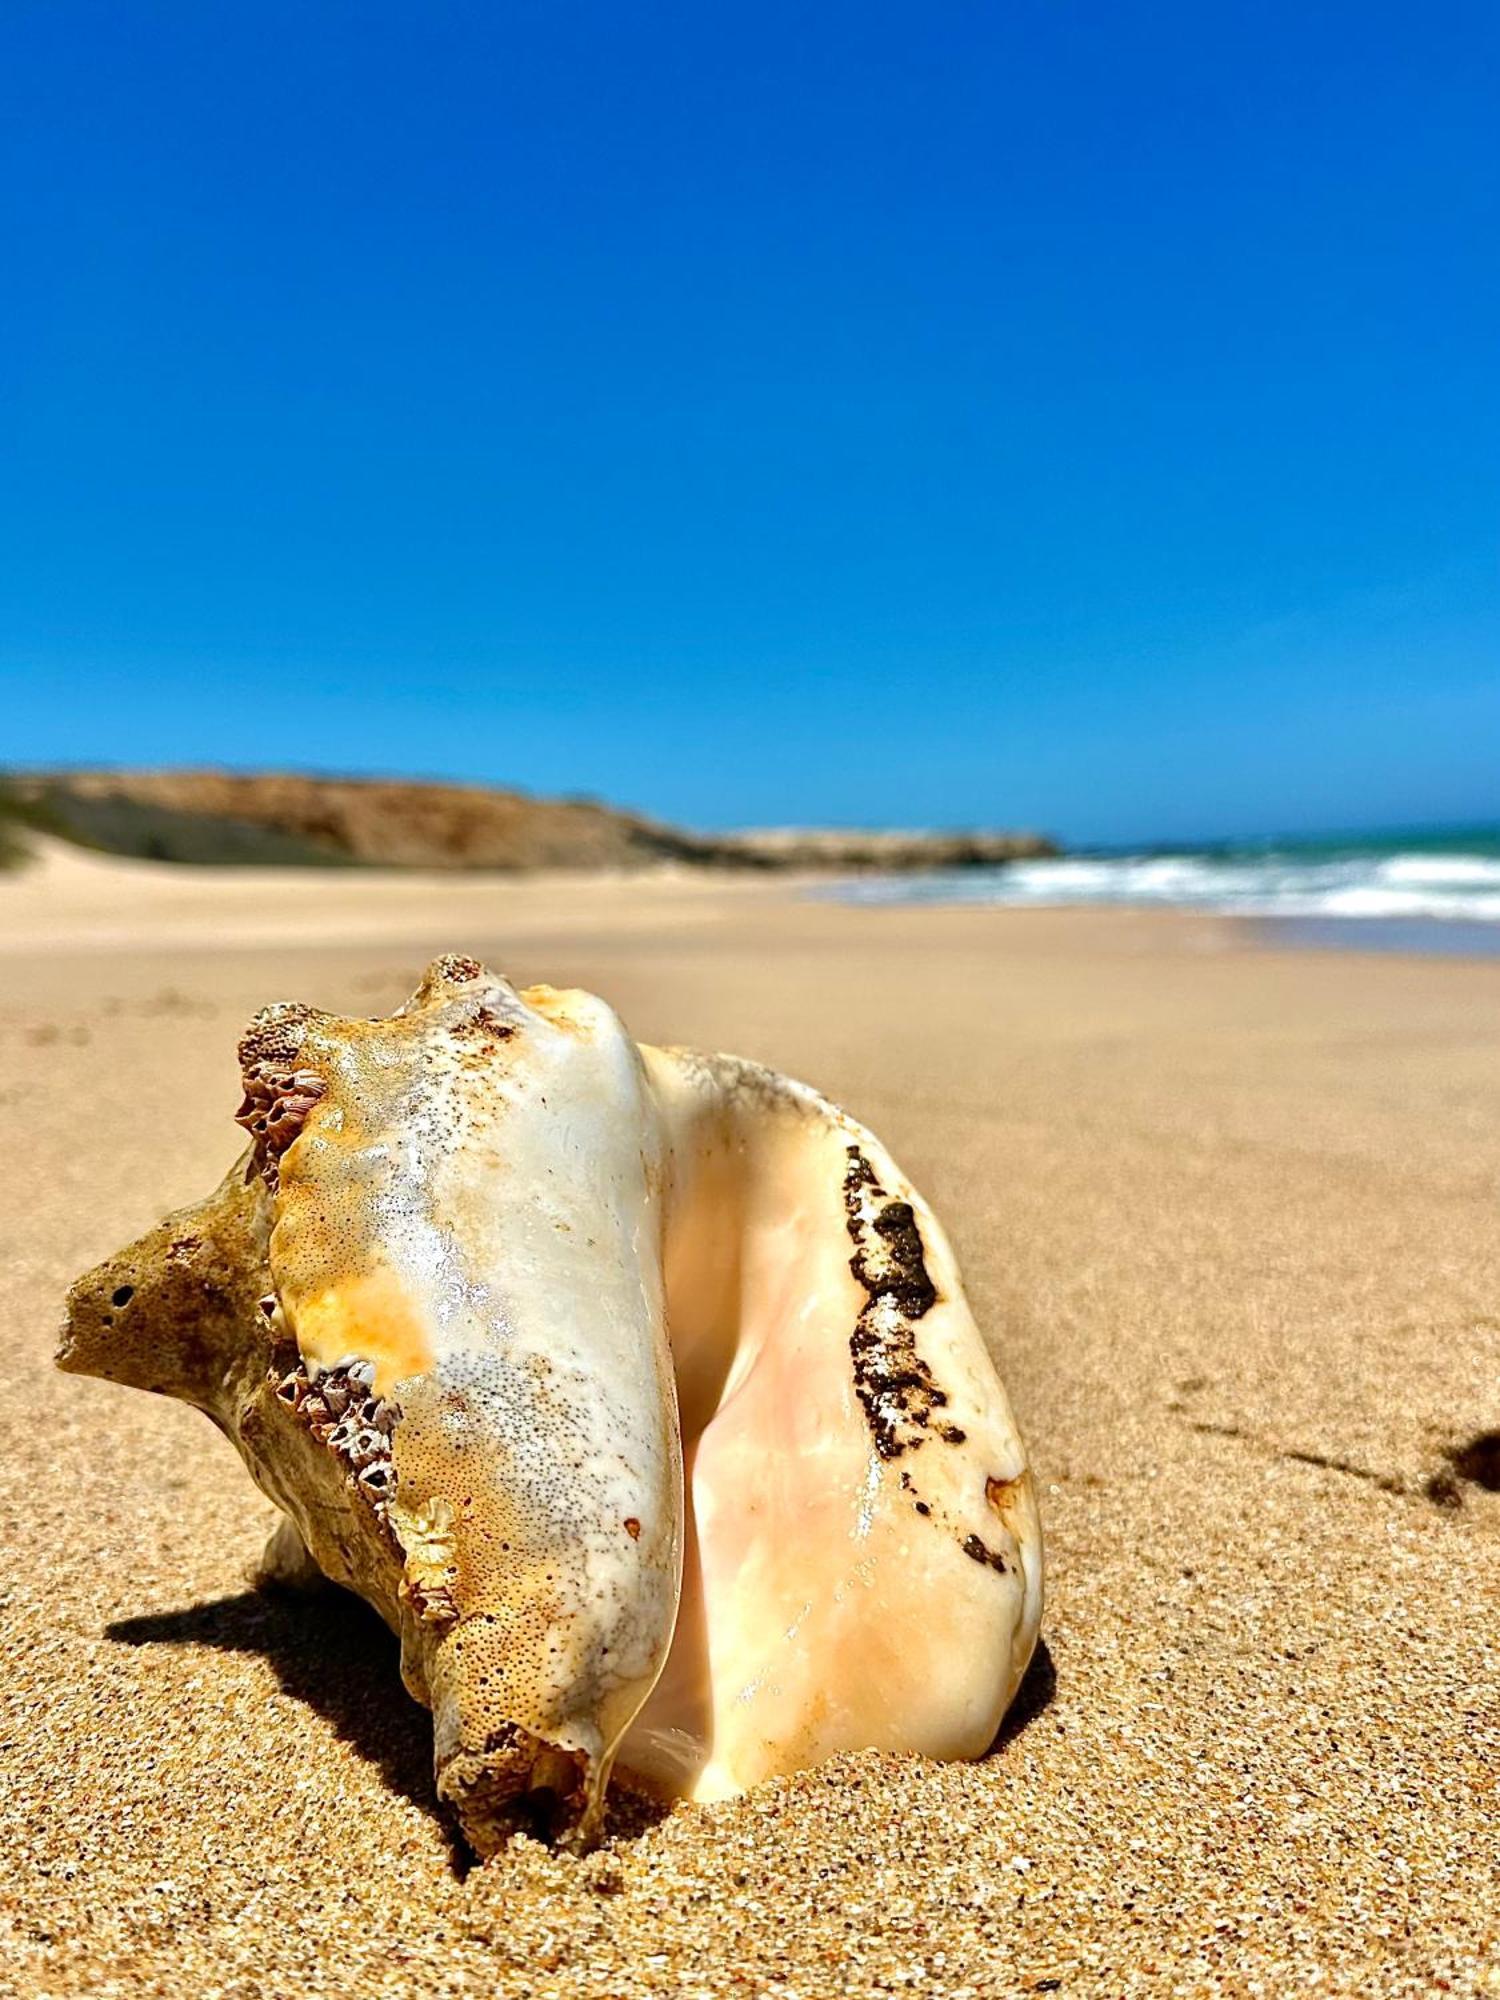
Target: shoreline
[69,900]
[1408,937]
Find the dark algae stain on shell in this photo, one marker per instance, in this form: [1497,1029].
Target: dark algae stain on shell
[897,1390]
[901,1398]
[978,1550]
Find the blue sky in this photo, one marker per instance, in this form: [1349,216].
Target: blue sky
[1080,415]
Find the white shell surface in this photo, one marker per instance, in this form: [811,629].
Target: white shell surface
[474,1208]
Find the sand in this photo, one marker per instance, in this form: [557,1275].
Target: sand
[1230,1215]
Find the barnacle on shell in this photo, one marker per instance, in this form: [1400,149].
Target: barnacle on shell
[635,1389]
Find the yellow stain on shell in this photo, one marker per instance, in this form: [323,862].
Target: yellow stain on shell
[370,1314]
[560,1006]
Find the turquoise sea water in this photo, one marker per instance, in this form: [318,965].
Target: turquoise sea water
[1428,891]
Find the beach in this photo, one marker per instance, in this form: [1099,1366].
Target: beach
[1228,1215]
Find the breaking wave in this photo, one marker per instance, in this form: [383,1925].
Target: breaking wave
[1365,880]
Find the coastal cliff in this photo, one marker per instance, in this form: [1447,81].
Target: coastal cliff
[294,819]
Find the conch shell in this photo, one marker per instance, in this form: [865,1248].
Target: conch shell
[634,1388]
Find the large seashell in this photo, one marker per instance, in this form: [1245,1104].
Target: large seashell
[636,1390]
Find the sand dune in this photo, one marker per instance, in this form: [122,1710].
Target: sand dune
[71,899]
[1230,1216]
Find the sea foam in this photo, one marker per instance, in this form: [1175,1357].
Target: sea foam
[1316,879]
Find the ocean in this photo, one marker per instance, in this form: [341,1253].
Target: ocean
[1394,891]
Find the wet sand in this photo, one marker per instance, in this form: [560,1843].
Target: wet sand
[1232,1218]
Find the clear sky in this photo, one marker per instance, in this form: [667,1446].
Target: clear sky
[1077,413]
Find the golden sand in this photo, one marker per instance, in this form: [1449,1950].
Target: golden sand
[1233,1218]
